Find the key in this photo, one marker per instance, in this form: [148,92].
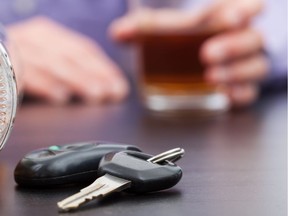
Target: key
[127,171]
[64,165]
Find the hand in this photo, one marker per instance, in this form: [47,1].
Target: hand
[233,54]
[58,63]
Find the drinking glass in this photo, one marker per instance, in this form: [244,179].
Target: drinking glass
[171,73]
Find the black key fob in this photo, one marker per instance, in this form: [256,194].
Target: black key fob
[64,165]
[144,176]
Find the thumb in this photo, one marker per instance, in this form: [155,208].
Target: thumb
[231,14]
[149,21]
[218,16]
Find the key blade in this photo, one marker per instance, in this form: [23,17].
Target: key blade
[101,187]
[74,201]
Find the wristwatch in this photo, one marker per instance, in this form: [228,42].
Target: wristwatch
[8,92]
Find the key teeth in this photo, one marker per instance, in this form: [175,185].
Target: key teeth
[61,209]
[66,208]
[69,207]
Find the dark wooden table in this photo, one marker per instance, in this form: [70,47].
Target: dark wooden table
[234,164]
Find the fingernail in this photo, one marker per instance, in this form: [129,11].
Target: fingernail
[96,94]
[95,91]
[61,94]
[121,28]
[216,52]
[119,88]
[219,75]
[237,92]
[233,18]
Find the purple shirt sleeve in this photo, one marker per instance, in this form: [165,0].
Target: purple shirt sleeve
[273,24]
[2,33]
[90,17]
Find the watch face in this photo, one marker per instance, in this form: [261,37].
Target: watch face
[8,96]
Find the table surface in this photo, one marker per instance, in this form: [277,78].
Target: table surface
[234,164]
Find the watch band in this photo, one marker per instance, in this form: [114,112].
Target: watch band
[8,91]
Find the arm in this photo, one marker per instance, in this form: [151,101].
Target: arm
[272,23]
[233,56]
[59,63]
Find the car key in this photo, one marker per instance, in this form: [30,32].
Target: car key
[129,171]
[64,165]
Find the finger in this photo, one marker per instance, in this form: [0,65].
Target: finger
[59,62]
[242,94]
[98,69]
[157,21]
[112,86]
[219,16]
[65,75]
[230,45]
[253,69]
[60,65]
[99,65]
[77,81]
[232,14]
[89,79]
[46,87]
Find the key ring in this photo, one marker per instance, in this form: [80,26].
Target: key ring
[169,156]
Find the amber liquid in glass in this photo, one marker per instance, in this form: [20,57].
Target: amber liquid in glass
[172,75]
[170,63]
